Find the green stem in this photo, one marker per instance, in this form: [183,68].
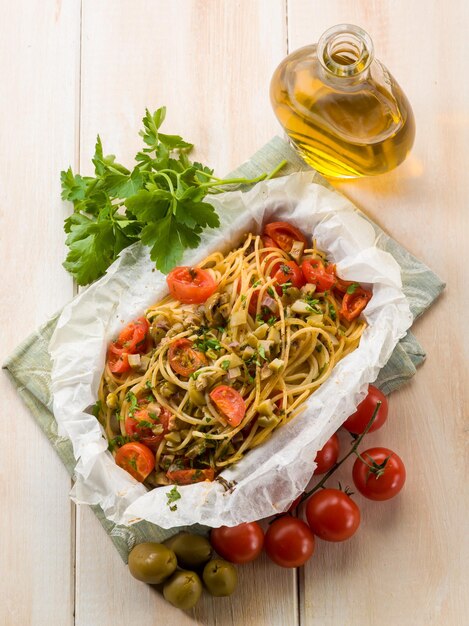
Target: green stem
[352,450]
[277,169]
[167,178]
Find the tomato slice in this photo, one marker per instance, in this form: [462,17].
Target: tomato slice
[190,476]
[284,235]
[268,242]
[191,285]
[230,403]
[117,359]
[315,273]
[184,359]
[342,285]
[354,303]
[137,459]
[133,338]
[143,421]
[252,307]
[288,272]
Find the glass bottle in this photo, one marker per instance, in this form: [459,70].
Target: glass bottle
[341,108]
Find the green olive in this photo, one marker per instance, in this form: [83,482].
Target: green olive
[191,550]
[183,589]
[220,577]
[152,562]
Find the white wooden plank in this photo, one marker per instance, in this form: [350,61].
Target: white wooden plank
[407,566]
[210,63]
[39,54]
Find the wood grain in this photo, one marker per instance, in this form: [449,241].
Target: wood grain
[210,63]
[39,52]
[408,565]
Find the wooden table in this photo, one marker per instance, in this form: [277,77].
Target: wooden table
[71,69]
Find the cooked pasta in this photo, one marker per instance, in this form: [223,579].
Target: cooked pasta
[201,384]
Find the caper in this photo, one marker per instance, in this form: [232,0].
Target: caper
[152,562]
[183,589]
[220,577]
[190,550]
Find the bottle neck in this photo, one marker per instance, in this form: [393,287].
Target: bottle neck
[345,53]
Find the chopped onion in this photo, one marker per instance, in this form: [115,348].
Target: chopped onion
[238,318]
[134,360]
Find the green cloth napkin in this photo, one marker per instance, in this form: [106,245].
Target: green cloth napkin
[30,367]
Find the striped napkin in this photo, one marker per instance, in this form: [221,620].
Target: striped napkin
[29,367]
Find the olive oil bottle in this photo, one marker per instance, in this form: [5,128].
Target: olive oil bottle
[341,108]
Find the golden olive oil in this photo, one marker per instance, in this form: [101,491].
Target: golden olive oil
[341,108]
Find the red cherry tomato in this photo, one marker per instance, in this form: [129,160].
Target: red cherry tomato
[268,242]
[354,303]
[384,479]
[117,359]
[184,359]
[316,274]
[327,456]
[284,235]
[190,476]
[357,422]
[289,542]
[288,272]
[252,307]
[133,337]
[136,459]
[238,544]
[143,421]
[230,403]
[190,285]
[332,515]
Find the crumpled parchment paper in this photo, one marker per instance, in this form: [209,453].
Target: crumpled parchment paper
[272,475]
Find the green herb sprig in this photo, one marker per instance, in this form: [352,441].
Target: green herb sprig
[159,201]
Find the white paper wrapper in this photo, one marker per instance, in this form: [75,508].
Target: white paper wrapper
[272,475]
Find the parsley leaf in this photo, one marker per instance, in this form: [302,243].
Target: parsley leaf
[173,496]
[161,201]
[352,288]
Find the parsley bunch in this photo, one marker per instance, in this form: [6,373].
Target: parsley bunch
[160,201]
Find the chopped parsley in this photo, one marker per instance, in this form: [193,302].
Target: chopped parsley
[332,312]
[271,292]
[286,286]
[96,409]
[148,384]
[225,364]
[352,288]
[243,298]
[173,496]
[207,343]
[132,398]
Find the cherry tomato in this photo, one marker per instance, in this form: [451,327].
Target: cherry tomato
[284,235]
[142,422]
[357,422]
[332,515]
[341,285]
[118,360]
[137,459]
[190,285]
[384,479]
[316,274]
[327,455]
[354,303]
[184,359]
[268,242]
[289,542]
[252,307]
[190,476]
[230,403]
[288,272]
[133,338]
[238,544]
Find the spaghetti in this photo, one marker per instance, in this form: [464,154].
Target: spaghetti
[201,384]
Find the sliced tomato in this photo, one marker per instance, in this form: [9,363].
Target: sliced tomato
[190,476]
[230,403]
[133,338]
[341,285]
[252,308]
[316,274]
[117,359]
[184,359]
[191,285]
[288,272]
[354,303]
[284,235]
[143,421]
[268,242]
[137,459]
